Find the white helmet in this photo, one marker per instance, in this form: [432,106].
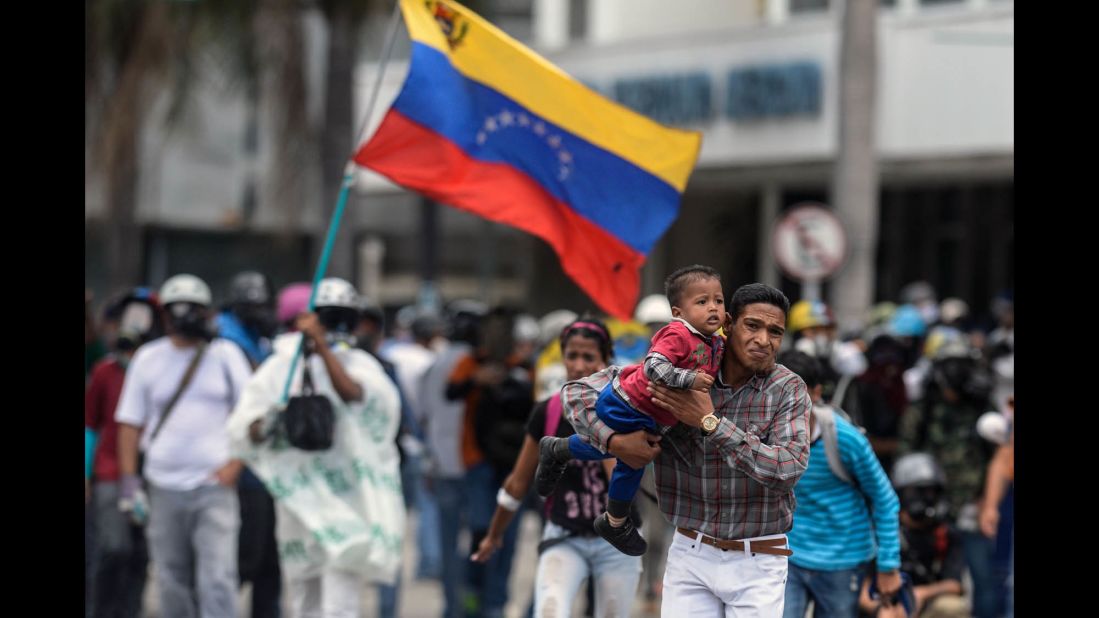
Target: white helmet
[653,309]
[554,322]
[526,328]
[185,289]
[335,292]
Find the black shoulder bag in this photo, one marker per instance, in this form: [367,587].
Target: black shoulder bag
[308,422]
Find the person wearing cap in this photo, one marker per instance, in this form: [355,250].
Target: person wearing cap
[193,509]
[293,300]
[249,321]
[841,362]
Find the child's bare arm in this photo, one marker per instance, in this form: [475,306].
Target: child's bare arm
[702,382]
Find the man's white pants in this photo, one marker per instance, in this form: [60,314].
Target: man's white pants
[702,580]
[335,594]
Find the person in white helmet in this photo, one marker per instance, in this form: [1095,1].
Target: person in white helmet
[339,511]
[178,391]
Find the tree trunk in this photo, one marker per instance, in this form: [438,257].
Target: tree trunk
[118,148]
[278,27]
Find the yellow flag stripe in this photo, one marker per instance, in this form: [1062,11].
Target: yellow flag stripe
[486,54]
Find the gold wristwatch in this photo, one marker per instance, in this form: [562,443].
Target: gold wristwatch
[709,424]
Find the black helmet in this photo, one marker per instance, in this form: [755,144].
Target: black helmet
[251,288]
[464,320]
[252,299]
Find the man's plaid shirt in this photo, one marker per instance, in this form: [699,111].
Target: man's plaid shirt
[736,483]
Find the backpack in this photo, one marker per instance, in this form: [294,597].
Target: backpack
[825,417]
[501,417]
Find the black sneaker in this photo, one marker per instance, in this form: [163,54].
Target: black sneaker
[625,538]
[550,468]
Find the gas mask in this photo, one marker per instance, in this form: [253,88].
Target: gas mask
[340,323]
[924,504]
[134,326]
[818,346]
[368,342]
[929,311]
[961,376]
[258,318]
[189,320]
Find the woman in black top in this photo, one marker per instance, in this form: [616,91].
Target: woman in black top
[570,550]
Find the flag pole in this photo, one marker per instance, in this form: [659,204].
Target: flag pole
[345,186]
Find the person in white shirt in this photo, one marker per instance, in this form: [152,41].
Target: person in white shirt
[191,478]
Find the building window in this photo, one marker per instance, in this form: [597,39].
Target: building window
[808,6]
[578,20]
[961,238]
[515,17]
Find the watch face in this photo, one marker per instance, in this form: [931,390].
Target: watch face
[709,423]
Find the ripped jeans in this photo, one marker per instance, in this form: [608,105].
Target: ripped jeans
[564,566]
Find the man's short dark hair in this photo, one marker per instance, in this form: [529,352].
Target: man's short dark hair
[807,367]
[757,293]
[678,281]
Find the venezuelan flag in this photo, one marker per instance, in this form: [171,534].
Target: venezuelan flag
[486,125]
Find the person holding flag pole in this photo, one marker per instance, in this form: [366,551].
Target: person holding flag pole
[340,510]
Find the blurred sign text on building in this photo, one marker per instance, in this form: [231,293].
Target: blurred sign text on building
[670,99]
[778,90]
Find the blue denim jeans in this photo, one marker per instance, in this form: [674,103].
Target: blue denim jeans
[834,593]
[989,576]
[470,587]
[619,416]
[487,583]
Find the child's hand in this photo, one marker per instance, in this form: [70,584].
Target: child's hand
[703,382]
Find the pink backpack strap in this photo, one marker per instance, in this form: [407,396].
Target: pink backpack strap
[553,413]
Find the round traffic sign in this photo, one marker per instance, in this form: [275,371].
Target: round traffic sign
[809,242]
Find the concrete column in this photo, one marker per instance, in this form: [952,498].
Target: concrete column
[769,205]
[778,11]
[855,179]
[551,23]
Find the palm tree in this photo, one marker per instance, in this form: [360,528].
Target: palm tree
[136,50]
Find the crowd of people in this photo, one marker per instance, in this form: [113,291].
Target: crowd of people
[728,452]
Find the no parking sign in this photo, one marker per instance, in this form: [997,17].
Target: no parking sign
[809,243]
